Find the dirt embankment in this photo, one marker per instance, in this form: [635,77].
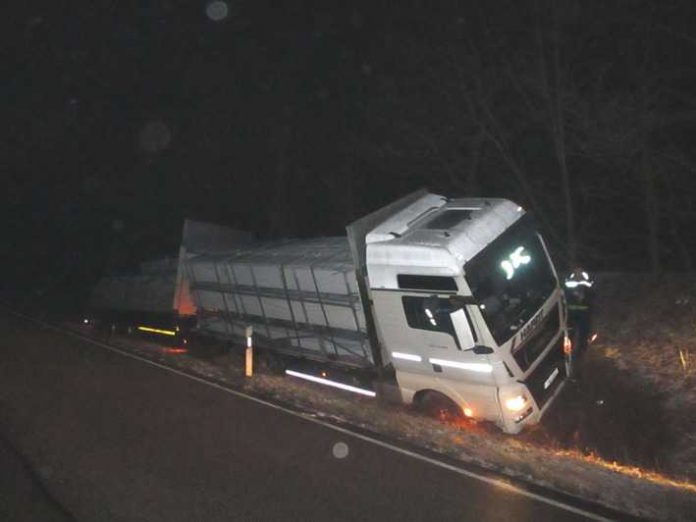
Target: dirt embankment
[635,404]
[647,344]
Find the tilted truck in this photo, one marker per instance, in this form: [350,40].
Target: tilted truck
[456,300]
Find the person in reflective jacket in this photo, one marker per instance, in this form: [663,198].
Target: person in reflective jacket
[579,294]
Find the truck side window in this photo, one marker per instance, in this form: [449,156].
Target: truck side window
[419,316]
[424,282]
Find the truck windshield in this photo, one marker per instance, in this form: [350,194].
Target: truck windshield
[511,279]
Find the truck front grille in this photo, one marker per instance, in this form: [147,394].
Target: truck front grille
[541,383]
[527,353]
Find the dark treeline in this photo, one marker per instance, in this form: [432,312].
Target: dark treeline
[582,113]
[295,120]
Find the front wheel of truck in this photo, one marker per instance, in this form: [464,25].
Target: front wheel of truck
[435,404]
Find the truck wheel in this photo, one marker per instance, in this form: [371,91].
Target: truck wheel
[437,405]
[275,363]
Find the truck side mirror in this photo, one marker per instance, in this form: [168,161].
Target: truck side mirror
[461,328]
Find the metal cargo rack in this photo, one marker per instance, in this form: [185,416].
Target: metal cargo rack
[300,296]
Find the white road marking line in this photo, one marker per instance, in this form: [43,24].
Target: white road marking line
[450,467]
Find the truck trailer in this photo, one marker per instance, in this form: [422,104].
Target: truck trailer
[455,300]
[154,298]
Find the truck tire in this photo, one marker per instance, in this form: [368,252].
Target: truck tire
[435,404]
[275,363]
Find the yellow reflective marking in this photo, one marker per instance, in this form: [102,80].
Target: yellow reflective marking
[156,330]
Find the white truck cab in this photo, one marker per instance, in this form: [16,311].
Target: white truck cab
[467,304]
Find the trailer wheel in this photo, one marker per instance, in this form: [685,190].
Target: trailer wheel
[435,404]
[275,363]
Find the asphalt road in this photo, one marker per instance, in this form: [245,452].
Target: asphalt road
[91,435]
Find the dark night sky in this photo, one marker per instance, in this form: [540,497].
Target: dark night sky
[292,120]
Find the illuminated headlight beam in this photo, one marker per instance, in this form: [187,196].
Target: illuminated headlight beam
[407,356]
[474,367]
[515,404]
[156,330]
[334,384]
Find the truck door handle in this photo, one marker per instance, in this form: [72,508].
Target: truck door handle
[437,368]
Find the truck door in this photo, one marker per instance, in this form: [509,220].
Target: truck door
[448,338]
[418,327]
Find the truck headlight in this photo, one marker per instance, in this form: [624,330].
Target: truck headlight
[515,404]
